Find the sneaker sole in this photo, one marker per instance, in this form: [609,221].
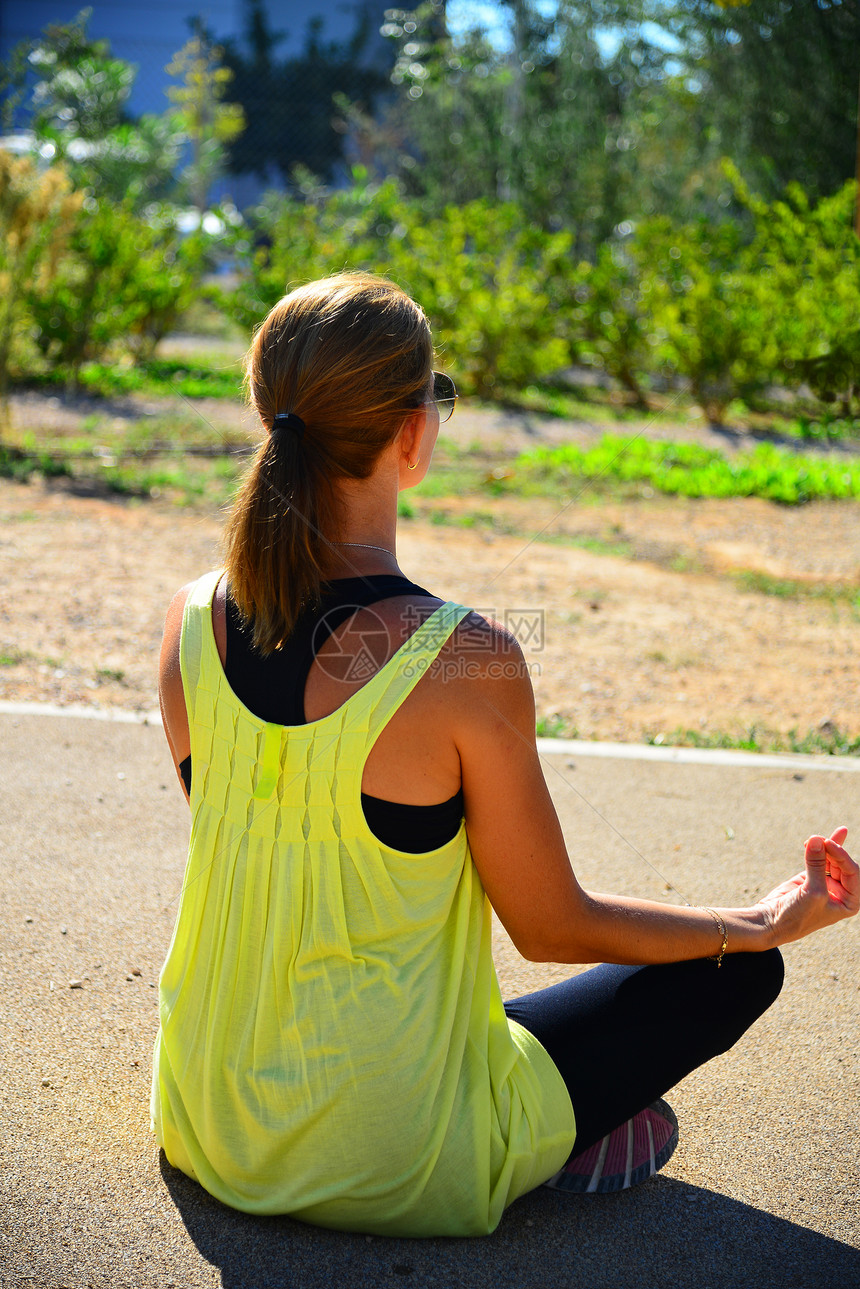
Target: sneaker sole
[582,1184]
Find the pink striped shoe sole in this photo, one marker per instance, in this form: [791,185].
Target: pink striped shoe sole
[629,1155]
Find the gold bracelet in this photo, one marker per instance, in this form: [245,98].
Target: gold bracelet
[718,957]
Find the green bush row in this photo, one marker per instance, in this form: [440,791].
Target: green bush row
[483,275]
[773,297]
[727,309]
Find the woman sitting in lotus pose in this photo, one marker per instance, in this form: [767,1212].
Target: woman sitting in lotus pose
[360,761]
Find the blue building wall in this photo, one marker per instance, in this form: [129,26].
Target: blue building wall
[149,33]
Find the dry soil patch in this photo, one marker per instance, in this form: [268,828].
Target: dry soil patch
[620,646]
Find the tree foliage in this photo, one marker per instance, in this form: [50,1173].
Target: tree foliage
[37,213]
[483,274]
[724,309]
[90,263]
[780,78]
[601,111]
[544,125]
[77,93]
[200,112]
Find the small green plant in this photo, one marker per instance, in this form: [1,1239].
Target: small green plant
[553,727]
[790,589]
[111,673]
[827,738]
[821,429]
[21,465]
[752,741]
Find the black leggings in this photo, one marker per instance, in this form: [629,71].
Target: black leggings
[622,1036]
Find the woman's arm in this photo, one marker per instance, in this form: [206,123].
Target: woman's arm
[520,853]
[170,693]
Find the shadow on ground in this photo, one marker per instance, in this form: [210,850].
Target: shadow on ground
[666,1232]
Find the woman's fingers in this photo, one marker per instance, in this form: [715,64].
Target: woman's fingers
[843,873]
[827,890]
[816,864]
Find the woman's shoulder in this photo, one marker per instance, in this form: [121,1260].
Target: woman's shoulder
[206,583]
[481,662]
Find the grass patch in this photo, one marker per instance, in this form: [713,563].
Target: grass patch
[554,727]
[164,377]
[686,470]
[753,740]
[158,456]
[455,476]
[826,740]
[204,376]
[788,589]
[824,430]
[22,463]
[590,401]
[180,457]
[183,481]
[600,545]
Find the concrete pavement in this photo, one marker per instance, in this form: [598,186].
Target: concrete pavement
[761,1191]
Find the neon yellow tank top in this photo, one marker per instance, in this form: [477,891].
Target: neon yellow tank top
[332,1042]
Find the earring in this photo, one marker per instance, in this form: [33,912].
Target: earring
[415,466]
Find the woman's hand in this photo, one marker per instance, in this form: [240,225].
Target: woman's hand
[827,891]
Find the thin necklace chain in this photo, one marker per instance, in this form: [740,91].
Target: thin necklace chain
[366,546]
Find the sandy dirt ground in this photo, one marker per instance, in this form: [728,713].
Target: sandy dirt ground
[621,646]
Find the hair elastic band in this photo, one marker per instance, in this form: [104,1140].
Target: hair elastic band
[288,421]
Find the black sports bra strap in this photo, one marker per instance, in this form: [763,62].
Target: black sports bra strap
[345,595]
[273,687]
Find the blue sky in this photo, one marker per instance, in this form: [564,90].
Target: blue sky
[463,15]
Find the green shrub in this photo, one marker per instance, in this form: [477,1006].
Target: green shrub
[612,318]
[713,308]
[486,280]
[482,274]
[123,281]
[37,214]
[812,258]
